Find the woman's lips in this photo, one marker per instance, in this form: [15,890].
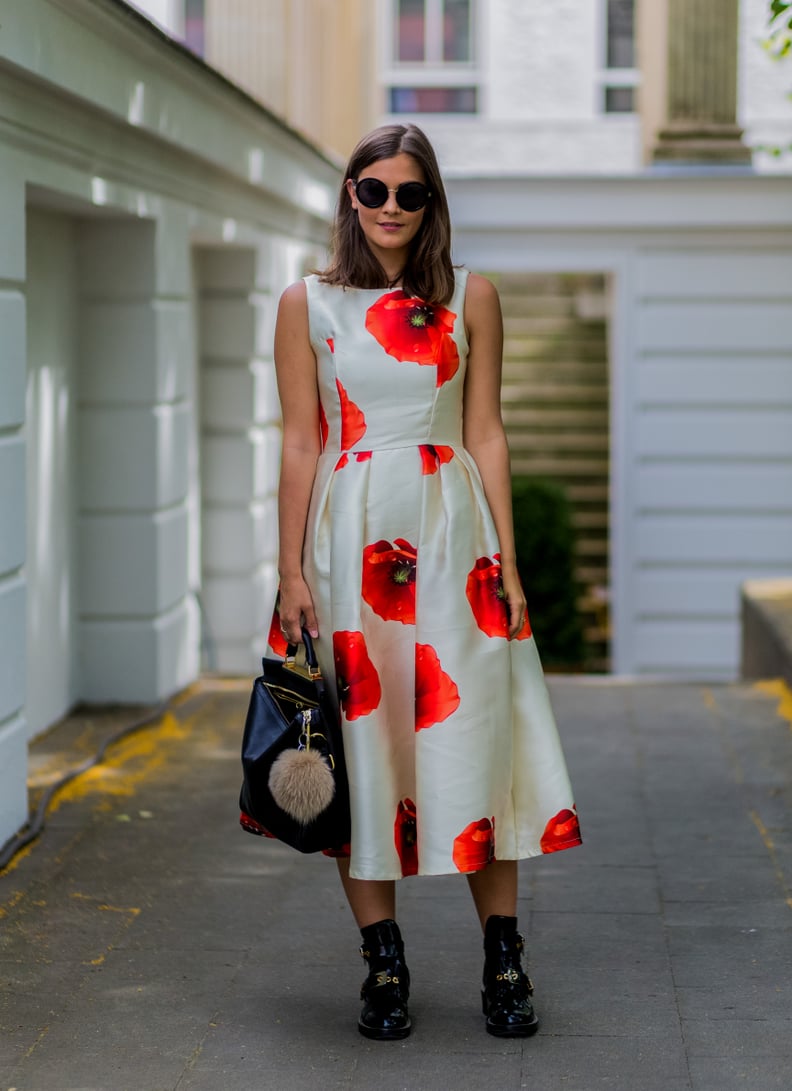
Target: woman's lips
[391,227]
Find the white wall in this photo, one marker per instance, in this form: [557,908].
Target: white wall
[51,556]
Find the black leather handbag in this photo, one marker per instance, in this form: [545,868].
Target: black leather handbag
[294,785]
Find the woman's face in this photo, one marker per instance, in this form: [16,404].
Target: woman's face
[389,230]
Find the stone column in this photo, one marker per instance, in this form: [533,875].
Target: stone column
[701,98]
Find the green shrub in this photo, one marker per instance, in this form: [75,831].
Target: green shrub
[545,542]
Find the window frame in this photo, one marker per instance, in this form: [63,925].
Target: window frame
[607,78]
[434,71]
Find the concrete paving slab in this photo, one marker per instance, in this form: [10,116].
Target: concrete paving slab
[147,944]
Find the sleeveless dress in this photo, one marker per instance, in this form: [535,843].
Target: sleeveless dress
[451,746]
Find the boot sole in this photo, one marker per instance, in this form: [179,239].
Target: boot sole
[392,1035]
[513,1032]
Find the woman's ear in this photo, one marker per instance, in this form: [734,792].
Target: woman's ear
[350,188]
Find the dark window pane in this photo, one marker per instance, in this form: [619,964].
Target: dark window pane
[619,100]
[456,31]
[410,30]
[621,34]
[194,26]
[433,100]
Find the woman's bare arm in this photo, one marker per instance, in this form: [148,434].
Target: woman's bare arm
[295,367]
[483,431]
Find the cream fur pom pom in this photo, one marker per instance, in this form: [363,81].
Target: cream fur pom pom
[301,784]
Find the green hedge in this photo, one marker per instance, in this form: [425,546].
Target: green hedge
[545,541]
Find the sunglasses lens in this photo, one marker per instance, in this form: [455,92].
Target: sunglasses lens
[371,192]
[411,196]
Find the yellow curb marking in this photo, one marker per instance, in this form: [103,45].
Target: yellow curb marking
[769,844]
[777,687]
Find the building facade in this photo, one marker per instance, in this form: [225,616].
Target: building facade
[150,216]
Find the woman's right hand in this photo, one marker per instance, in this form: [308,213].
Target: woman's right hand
[296,610]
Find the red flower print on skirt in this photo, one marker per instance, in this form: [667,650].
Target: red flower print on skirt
[276,640]
[436,694]
[360,456]
[353,423]
[484,590]
[411,330]
[389,579]
[324,427]
[561,832]
[474,848]
[357,680]
[405,830]
[432,457]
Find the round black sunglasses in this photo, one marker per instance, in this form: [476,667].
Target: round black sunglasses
[410,196]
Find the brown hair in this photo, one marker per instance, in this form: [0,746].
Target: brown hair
[428,274]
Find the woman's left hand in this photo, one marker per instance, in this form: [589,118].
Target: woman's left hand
[513,593]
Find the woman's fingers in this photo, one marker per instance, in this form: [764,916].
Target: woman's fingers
[516,616]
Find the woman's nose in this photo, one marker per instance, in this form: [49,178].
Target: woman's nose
[391,205]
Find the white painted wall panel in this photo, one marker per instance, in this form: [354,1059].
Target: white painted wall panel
[153,576]
[240,539]
[241,605]
[686,647]
[12,661]
[51,562]
[726,434]
[721,273]
[12,357]
[706,381]
[691,593]
[135,352]
[730,326]
[12,502]
[737,486]
[715,539]
[133,458]
[161,652]
[13,776]
[240,468]
[233,397]
[229,270]
[237,329]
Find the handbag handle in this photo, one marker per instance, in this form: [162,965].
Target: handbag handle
[311,661]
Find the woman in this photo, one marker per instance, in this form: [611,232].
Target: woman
[397,551]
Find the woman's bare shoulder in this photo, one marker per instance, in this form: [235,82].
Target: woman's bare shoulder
[295,296]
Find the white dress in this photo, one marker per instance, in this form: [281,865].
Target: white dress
[451,746]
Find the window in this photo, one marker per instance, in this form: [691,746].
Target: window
[431,64]
[619,76]
[194,37]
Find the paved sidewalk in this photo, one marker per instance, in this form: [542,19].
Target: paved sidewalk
[147,944]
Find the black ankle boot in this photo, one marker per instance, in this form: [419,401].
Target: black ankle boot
[506,992]
[387,988]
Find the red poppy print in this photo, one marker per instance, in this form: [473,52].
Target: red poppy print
[357,680]
[436,693]
[561,832]
[341,853]
[324,427]
[405,830]
[389,579]
[474,848]
[432,457]
[484,590]
[331,343]
[360,456]
[353,423]
[411,330]
[276,640]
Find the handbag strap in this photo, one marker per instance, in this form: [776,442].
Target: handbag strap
[312,663]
